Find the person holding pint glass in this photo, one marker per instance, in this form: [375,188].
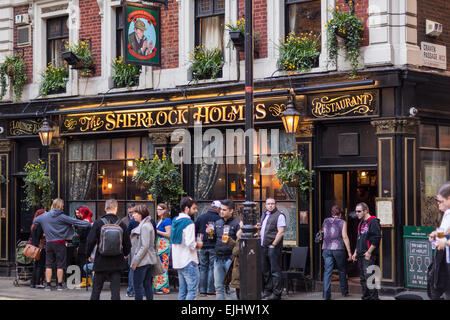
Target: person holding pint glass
[224,228]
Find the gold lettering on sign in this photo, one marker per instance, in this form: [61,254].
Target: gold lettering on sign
[326,107]
[28,127]
[91,123]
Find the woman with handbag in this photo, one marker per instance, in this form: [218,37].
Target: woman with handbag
[143,255]
[163,228]
[38,240]
[335,243]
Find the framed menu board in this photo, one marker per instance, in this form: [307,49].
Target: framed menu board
[385,211]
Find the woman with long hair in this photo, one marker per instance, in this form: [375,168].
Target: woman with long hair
[163,228]
[38,240]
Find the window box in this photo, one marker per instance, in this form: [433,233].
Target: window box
[238,40]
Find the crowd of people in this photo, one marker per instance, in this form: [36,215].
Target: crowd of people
[205,253]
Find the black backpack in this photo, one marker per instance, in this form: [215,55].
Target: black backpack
[111,236]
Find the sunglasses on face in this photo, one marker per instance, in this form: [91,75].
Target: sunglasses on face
[438,201]
[358,211]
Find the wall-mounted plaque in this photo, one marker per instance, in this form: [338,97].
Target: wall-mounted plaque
[385,211]
[343,104]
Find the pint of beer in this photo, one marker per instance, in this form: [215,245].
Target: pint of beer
[226,231]
[211,229]
[440,232]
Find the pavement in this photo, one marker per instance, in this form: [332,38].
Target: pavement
[8,291]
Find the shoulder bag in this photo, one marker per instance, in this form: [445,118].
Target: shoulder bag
[32,252]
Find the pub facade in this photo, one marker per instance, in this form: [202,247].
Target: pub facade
[382,137]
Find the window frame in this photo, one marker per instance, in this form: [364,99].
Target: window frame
[62,20]
[119,30]
[198,16]
[287,3]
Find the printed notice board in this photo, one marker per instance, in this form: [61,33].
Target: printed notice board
[417,256]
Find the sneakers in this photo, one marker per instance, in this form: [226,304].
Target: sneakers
[39,286]
[130,295]
[48,287]
[61,287]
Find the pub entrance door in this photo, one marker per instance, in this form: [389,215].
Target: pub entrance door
[346,189]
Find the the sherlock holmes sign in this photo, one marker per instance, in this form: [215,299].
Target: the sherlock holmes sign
[343,104]
[142,27]
[182,116]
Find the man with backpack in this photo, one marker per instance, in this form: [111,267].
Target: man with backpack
[367,252]
[113,245]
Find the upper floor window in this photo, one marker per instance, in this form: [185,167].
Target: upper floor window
[57,38]
[303,16]
[119,32]
[209,23]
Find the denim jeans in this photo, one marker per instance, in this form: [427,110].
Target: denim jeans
[90,267]
[130,288]
[221,267]
[271,270]
[143,282]
[363,264]
[332,258]
[207,258]
[188,278]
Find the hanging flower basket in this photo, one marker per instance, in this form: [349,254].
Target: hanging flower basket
[294,183]
[238,40]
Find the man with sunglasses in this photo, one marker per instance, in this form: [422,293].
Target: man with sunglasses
[366,252]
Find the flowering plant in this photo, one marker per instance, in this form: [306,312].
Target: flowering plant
[125,74]
[162,177]
[239,26]
[206,63]
[53,79]
[38,186]
[83,51]
[292,171]
[299,53]
[14,68]
[346,25]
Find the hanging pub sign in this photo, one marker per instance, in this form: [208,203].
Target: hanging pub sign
[142,35]
[25,127]
[180,116]
[343,104]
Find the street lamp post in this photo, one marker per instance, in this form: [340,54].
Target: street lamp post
[250,261]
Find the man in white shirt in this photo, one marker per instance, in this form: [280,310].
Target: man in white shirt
[184,253]
[443,200]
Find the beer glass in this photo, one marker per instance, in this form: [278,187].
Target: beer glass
[440,232]
[199,238]
[211,229]
[226,231]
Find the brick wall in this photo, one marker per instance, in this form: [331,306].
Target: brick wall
[169,36]
[91,28]
[259,25]
[28,50]
[428,10]
[362,12]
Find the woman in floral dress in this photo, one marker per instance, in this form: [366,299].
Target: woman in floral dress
[163,226]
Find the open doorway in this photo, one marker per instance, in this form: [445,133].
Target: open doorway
[346,189]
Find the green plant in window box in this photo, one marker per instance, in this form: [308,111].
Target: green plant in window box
[206,63]
[125,74]
[3,179]
[162,178]
[14,68]
[299,53]
[292,172]
[38,186]
[348,27]
[83,51]
[54,80]
[237,34]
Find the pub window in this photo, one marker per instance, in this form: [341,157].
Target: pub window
[444,137]
[103,169]
[209,23]
[428,136]
[57,38]
[119,32]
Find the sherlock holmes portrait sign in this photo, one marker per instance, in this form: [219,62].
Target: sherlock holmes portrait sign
[142,26]
[343,104]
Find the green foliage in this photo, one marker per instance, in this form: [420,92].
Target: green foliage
[349,27]
[299,53]
[3,179]
[162,178]
[125,74]
[14,68]
[38,186]
[53,79]
[206,63]
[292,170]
[83,51]
[239,26]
